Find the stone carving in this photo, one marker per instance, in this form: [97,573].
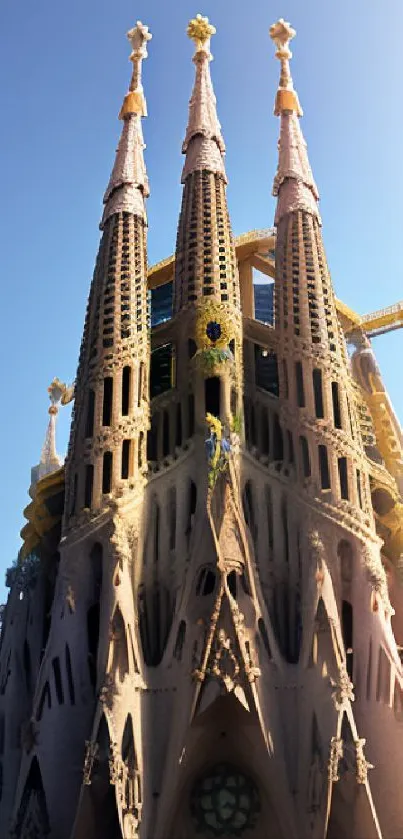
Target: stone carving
[336,754]
[224,663]
[343,688]
[91,754]
[362,764]
[108,691]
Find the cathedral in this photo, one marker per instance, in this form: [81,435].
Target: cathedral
[204,630]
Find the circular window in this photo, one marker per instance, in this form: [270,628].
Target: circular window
[213,331]
[224,802]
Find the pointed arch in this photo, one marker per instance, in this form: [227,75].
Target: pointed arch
[120,653]
[32,817]
[128,749]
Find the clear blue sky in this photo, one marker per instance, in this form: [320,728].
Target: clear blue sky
[65,70]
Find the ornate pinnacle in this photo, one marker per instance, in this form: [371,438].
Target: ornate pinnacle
[282,33]
[286,100]
[134,102]
[200,31]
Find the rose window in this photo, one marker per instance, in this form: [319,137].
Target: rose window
[224,802]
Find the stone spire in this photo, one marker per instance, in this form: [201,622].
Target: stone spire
[50,460]
[110,418]
[208,148]
[293,171]
[205,261]
[128,184]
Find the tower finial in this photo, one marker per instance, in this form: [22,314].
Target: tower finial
[134,102]
[287,98]
[200,31]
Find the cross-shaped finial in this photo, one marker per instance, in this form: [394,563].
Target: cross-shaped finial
[282,33]
[200,31]
[138,37]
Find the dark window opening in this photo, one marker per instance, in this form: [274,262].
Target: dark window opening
[107,473]
[162,369]
[318,393]
[107,401]
[126,450]
[343,477]
[206,582]
[140,450]
[58,680]
[299,381]
[126,388]
[347,630]
[232,581]
[152,439]
[88,487]
[212,387]
[306,462]
[359,488]
[324,468]
[70,681]
[89,426]
[336,405]
[266,370]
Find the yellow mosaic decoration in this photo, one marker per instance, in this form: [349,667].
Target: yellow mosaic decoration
[211,313]
[200,31]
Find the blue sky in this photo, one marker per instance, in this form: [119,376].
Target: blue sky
[65,70]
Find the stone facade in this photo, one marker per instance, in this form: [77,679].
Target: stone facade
[203,633]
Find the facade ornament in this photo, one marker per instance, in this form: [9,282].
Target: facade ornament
[336,754]
[282,33]
[224,663]
[200,31]
[362,764]
[91,755]
[108,691]
[343,688]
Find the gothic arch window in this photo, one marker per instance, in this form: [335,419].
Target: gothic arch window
[347,630]
[206,582]
[232,583]
[343,477]
[126,390]
[324,467]
[32,817]
[107,473]
[336,405]
[318,392]
[128,748]
[120,661]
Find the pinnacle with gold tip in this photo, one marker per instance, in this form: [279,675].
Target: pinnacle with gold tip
[282,33]
[286,100]
[200,31]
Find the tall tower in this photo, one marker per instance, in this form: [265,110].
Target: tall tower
[217,656]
